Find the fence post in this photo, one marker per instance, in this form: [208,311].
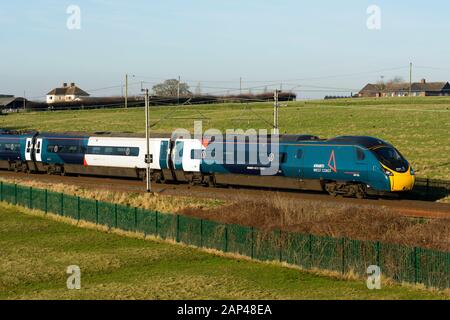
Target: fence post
[177,234]
[115,215]
[310,251]
[1,191]
[156,223]
[343,242]
[428,189]
[96,212]
[135,219]
[78,209]
[226,238]
[62,204]
[30,200]
[201,233]
[46,201]
[378,249]
[281,245]
[15,193]
[416,264]
[253,243]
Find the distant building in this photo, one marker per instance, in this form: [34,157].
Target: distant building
[418,89]
[12,103]
[66,94]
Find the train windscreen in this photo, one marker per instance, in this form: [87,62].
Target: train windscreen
[392,159]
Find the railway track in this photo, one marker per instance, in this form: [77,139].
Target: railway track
[405,207]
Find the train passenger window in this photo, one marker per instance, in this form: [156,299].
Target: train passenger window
[196,154]
[299,154]
[94,150]
[360,155]
[52,149]
[283,157]
[114,151]
[10,147]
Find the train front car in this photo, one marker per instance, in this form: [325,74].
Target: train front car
[388,172]
[395,168]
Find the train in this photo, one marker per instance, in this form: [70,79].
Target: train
[352,166]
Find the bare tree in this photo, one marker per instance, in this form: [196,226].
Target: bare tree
[169,88]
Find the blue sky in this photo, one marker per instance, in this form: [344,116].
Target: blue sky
[316,48]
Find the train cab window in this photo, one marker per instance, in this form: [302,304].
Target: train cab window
[392,159]
[360,156]
[299,154]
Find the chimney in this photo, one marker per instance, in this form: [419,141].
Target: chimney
[423,81]
[72,84]
[65,85]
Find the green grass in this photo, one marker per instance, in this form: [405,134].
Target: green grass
[419,127]
[36,250]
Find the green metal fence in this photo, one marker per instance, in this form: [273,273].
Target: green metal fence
[398,262]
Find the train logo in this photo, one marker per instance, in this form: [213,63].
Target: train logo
[332,162]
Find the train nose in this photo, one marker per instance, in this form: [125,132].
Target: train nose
[403,181]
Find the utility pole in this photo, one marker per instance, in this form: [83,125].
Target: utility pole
[276,106]
[410,78]
[240,85]
[178,90]
[126,91]
[148,157]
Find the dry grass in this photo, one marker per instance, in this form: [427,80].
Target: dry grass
[361,223]
[157,202]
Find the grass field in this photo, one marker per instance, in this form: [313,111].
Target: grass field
[419,127]
[36,250]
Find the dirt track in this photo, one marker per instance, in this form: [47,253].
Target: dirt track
[412,208]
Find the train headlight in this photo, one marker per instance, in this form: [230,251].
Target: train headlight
[388,173]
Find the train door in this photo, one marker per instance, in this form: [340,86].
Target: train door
[164,155]
[299,161]
[38,150]
[177,156]
[29,149]
[361,166]
[191,162]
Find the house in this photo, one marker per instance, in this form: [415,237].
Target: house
[12,103]
[66,94]
[418,89]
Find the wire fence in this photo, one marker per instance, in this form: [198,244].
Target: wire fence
[431,189]
[398,262]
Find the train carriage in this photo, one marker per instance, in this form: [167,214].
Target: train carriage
[125,157]
[59,154]
[12,151]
